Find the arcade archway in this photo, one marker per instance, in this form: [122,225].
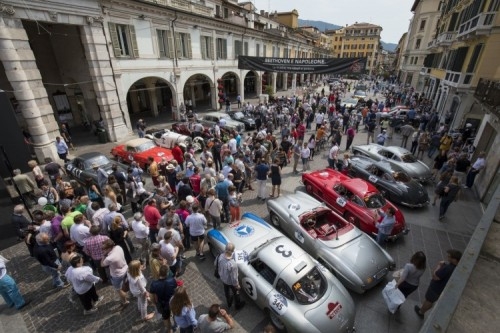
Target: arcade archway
[198,91]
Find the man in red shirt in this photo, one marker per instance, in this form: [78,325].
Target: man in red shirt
[195,181]
[178,155]
[152,216]
[301,130]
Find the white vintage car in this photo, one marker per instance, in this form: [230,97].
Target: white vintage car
[296,291]
[167,139]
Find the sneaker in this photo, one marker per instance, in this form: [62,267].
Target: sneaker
[99,300]
[88,312]
[441,217]
[202,257]
[417,311]
[183,257]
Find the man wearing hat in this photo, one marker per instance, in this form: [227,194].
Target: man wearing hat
[102,176]
[189,169]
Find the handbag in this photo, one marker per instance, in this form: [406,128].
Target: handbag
[397,274]
[125,285]
[216,272]
[393,296]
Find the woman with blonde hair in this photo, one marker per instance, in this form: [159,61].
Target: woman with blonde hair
[37,172]
[137,284]
[183,311]
[118,234]
[110,197]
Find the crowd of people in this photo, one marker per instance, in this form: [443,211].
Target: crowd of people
[194,192]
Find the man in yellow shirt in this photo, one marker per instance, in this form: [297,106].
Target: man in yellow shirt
[320,133]
[153,170]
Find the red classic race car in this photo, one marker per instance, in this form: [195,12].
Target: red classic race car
[139,150]
[357,200]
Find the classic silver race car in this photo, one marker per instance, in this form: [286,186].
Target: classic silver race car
[167,139]
[397,156]
[297,292]
[350,254]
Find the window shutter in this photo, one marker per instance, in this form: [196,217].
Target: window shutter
[246,48]
[161,43]
[114,39]
[188,46]
[224,49]
[203,42]
[133,41]
[178,45]
[170,45]
[211,51]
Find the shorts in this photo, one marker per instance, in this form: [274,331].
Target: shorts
[431,295]
[196,238]
[164,311]
[117,282]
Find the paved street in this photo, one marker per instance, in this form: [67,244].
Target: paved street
[51,311]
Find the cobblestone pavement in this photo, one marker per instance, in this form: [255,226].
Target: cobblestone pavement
[51,310]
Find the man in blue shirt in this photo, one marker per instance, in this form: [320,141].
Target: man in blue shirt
[385,226]
[262,170]
[222,192]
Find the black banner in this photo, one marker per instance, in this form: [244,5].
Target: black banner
[304,65]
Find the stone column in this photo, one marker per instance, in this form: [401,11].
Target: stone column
[153,99]
[192,95]
[241,87]
[302,79]
[22,72]
[273,81]
[294,82]
[258,82]
[285,81]
[101,71]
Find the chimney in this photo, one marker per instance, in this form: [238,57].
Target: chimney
[262,12]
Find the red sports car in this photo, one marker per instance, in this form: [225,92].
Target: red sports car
[139,150]
[183,128]
[357,200]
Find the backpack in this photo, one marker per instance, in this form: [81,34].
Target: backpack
[216,271]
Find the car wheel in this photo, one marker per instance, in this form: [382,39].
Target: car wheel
[275,220]
[276,320]
[309,188]
[119,159]
[350,218]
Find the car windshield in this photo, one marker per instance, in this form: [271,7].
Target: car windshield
[238,115]
[402,177]
[310,287]
[408,158]
[359,93]
[145,146]
[350,101]
[225,116]
[99,160]
[375,201]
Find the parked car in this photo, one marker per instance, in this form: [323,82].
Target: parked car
[297,292]
[360,95]
[167,139]
[397,156]
[351,255]
[80,168]
[355,199]
[248,121]
[212,118]
[393,182]
[139,150]
[349,102]
[184,127]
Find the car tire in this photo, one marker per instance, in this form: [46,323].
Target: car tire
[119,159]
[275,219]
[276,321]
[309,188]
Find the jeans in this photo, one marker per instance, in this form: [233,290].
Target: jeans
[443,206]
[225,216]
[153,233]
[432,150]
[471,176]
[56,276]
[232,293]
[10,292]
[381,238]
[88,297]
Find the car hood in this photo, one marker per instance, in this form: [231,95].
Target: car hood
[416,170]
[157,153]
[365,257]
[413,193]
[333,313]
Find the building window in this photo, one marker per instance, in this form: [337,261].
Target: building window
[417,44]
[346,47]
[207,47]
[245,48]
[183,45]
[422,25]
[226,12]
[257,50]
[221,48]
[471,67]
[123,40]
[238,48]
[264,50]
[165,44]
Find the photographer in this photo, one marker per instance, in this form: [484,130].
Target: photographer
[217,320]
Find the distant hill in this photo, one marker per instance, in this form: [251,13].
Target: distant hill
[322,26]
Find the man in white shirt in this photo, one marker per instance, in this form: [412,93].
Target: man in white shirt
[333,156]
[197,222]
[79,231]
[232,145]
[141,232]
[169,252]
[319,120]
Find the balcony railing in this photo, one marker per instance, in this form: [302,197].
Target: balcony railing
[488,92]
[193,7]
[458,79]
[432,44]
[478,25]
[446,38]
[425,71]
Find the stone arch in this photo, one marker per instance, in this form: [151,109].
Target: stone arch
[152,95]
[231,84]
[251,84]
[198,92]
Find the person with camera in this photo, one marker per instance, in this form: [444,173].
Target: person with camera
[217,320]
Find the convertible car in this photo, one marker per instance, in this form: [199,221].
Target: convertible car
[167,139]
[139,150]
[185,128]
[80,168]
[297,292]
[353,256]
[395,184]
[355,199]
[397,156]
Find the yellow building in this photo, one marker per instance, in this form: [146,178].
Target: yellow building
[357,40]
[463,78]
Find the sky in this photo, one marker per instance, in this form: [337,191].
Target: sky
[392,15]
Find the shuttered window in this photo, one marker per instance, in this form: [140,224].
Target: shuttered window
[238,49]
[183,45]
[257,50]
[471,67]
[207,47]
[123,40]
[264,50]
[245,48]
[165,44]
[221,48]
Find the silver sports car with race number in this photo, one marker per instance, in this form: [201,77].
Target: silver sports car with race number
[167,139]
[350,254]
[395,184]
[297,292]
[398,156]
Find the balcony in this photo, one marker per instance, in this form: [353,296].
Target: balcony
[459,80]
[425,71]
[446,38]
[433,44]
[193,7]
[478,25]
[488,92]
